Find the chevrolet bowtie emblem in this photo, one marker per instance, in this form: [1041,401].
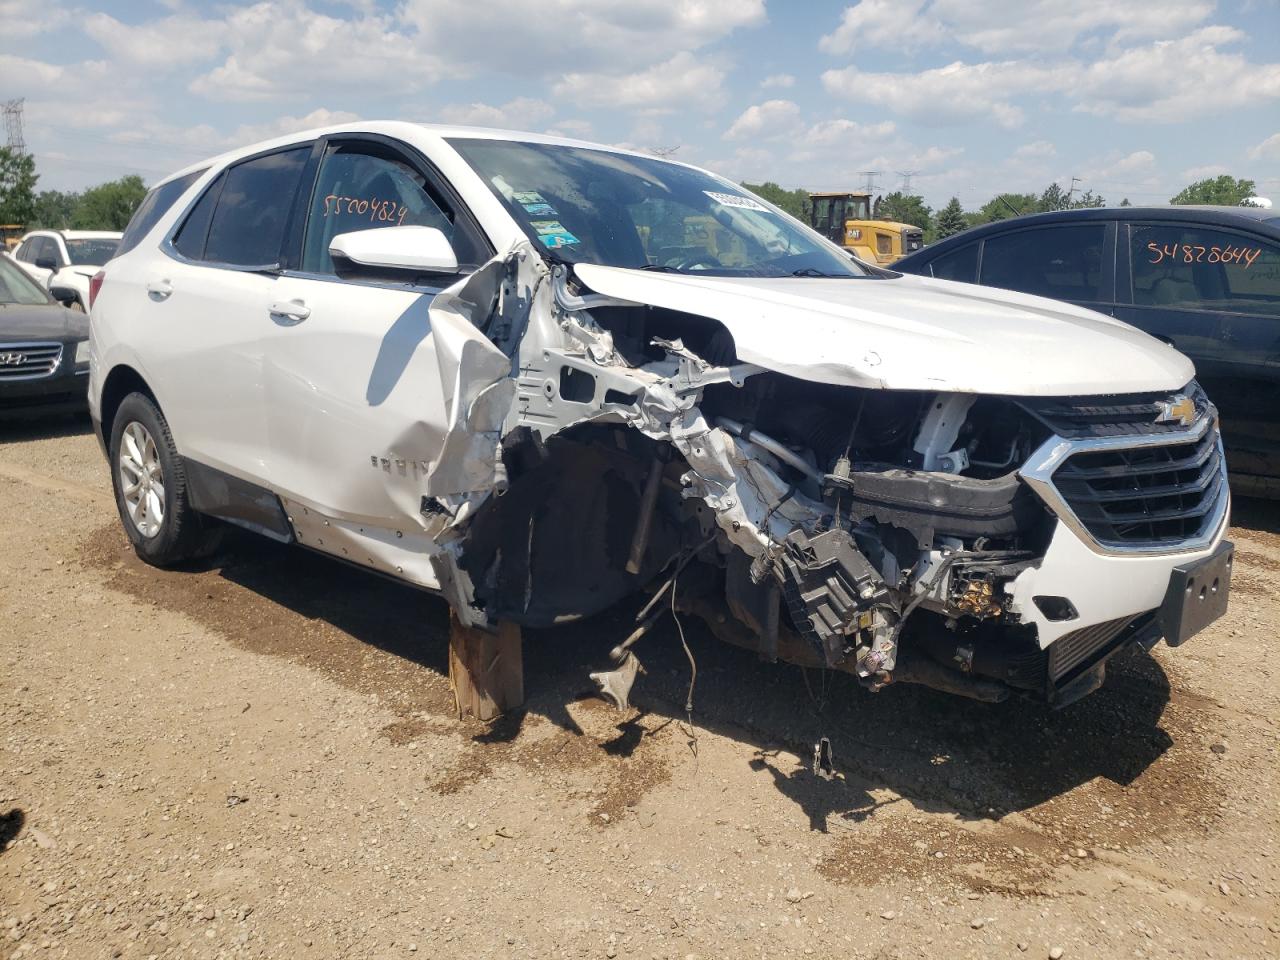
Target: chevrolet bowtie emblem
[1180,409]
[11,359]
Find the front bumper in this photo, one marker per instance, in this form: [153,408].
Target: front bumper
[65,390]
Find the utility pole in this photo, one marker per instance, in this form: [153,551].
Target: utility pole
[13,125]
[906,176]
[870,185]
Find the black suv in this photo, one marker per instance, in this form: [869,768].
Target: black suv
[1205,279]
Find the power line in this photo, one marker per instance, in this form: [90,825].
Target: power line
[870,185]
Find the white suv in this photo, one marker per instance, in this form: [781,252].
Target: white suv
[535,375]
[66,259]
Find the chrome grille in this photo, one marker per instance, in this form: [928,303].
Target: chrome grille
[28,361]
[1081,646]
[1154,495]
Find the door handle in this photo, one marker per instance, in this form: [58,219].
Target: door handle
[159,289]
[294,310]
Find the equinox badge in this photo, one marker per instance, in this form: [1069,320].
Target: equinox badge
[1180,408]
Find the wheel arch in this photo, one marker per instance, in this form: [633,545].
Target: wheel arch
[119,383]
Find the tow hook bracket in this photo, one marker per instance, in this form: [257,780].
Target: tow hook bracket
[823,763]
[616,684]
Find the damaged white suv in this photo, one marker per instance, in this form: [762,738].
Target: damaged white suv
[536,375]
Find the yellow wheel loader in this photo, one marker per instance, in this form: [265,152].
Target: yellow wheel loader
[845,218]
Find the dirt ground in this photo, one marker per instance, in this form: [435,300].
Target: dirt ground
[258,758]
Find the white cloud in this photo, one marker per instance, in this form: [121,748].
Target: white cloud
[1138,162]
[1176,80]
[778,81]
[768,120]
[27,18]
[522,113]
[167,42]
[841,132]
[546,37]
[683,81]
[281,48]
[1203,172]
[1007,26]
[956,93]
[1268,149]
[1035,150]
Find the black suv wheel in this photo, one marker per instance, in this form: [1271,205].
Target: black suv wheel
[151,488]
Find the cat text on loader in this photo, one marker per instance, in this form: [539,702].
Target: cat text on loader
[845,218]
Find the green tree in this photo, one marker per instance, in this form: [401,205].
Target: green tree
[54,210]
[1225,190]
[1053,198]
[109,206]
[905,208]
[1005,205]
[950,219]
[1125,202]
[1088,199]
[17,186]
[795,202]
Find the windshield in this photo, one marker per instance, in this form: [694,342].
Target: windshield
[92,253]
[16,287]
[592,206]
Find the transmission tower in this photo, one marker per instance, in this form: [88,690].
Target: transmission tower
[906,176]
[13,125]
[870,185]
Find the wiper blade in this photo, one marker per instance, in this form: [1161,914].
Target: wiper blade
[660,268]
[812,272]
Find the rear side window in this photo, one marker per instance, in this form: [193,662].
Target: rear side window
[1062,262]
[154,206]
[1184,266]
[194,231]
[248,223]
[959,265]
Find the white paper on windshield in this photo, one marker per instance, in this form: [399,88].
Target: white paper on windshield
[735,200]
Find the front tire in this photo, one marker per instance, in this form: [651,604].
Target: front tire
[150,484]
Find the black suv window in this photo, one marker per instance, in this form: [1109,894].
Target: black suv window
[1062,262]
[364,186]
[1189,267]
[154,206]
[959,265]
[248,223]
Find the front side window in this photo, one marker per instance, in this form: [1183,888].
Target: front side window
[92,253]
[17,288]
[46,250]
[26,252]
[366,187]
[959,265]
[1184,266]
[582,205]
[1062,262]
[248,224]
[154,206]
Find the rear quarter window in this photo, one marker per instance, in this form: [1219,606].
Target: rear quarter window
[959,264]
[154,206]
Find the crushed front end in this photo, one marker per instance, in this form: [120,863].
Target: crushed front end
[983,545]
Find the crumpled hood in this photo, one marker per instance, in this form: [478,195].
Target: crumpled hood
[20,323]
[912,333]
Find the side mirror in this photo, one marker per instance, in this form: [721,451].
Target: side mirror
[410,248]
[64,295]
[46,263]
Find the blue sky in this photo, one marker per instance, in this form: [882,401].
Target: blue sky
[972,96]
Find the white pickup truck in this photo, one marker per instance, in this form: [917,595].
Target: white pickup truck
[536,376]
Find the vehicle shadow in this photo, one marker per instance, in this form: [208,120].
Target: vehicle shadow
[941,752]
[24,429]
[1250,513]
[11,824]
